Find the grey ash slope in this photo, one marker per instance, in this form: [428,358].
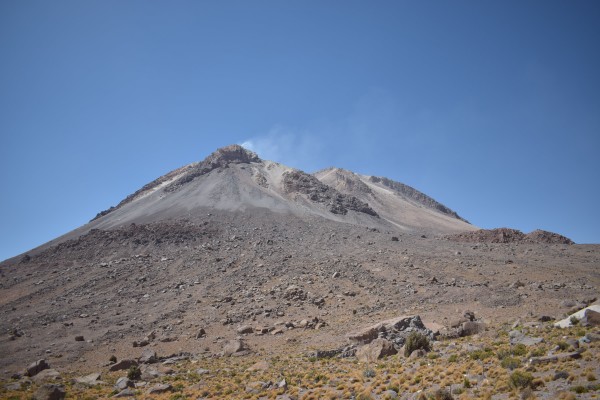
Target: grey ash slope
[401,205]
[235,179]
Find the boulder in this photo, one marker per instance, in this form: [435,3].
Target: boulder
[124,383]
[554,358]
[148,357]
[149,373]
[201,333]
[517,337]
[36,367]
[125,393]
[89,380]
[375,350]
[123,364]
[245,329]
[160,388]
[395,330]
[418,353]
[469,315]
[579,315]
[471,328]
[46,375]
[50,392]
[590,318]
[235,347]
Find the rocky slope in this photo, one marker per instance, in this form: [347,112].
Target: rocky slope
[401,205]
[507,235]
[236,255]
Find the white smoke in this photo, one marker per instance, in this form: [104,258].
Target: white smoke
[295,148]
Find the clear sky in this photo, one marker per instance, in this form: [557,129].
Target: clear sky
[490,107]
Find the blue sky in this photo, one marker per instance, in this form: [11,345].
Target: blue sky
[492,108]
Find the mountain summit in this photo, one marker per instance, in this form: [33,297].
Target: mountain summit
[234,178]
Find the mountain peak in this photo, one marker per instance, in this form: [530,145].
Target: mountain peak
[232,154]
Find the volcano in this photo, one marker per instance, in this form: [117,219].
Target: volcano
[236,248]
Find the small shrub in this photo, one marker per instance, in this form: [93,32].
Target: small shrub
[519,350]
[458,390]
[480,354]
[442,394]
[369,373]
[510,363]
[364,396]
[574,320]
[466,383]
[453,358]
[562,345]
[502,354]
[520,380]
[538,352]
[579,389]
[527,394]
[591,377]
[416,341]
[134,373]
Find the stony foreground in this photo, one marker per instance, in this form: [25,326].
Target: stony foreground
[526,360]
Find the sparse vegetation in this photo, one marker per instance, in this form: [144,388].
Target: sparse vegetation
[134,373]
[520,379]
[416,341]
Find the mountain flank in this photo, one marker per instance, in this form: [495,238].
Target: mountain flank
[237,277]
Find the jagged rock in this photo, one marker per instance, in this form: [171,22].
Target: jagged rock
[89,380]
[396,330]
[469,315]
[593,336]
[564,323]
[418,353]
[235,347]
[337,203]
[36,367]
[590,318]
[517,337]
[245,329]
[160,388]
[125,393]
[48,374]
[124,383]
[149,373]
[375,350]
[471,328]
[506,235]
[201,333]
[554,358]
[123,364]
[282,384]
[148,357]
[50,392]
[141,343]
